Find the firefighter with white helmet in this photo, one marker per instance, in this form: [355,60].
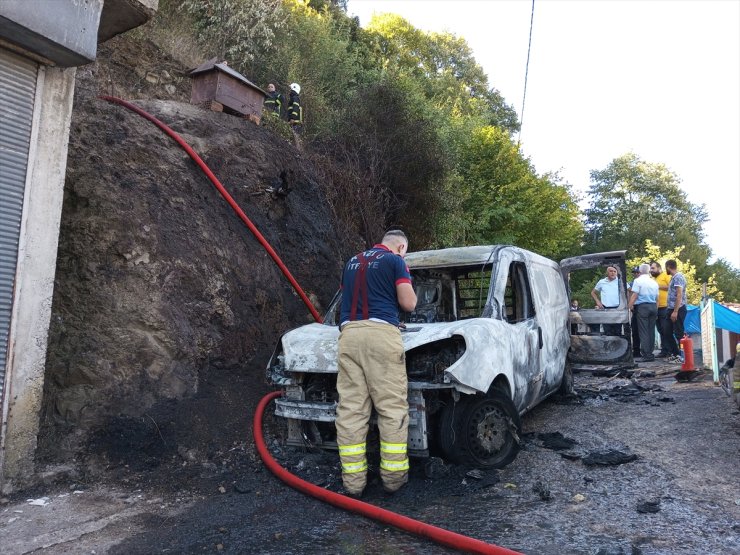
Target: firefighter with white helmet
[295,111]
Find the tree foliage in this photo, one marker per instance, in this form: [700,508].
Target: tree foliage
[505,201]
[387,147]
[727,278]
[239,30]
[633,201]
[444,66]
[405,123]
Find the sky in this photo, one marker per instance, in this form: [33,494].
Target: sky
[659,78]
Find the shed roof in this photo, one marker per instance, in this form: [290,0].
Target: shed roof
[212,65]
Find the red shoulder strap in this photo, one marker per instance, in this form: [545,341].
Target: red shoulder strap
[360,287]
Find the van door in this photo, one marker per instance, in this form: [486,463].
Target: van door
[551,306]
[512,293]
[599,337]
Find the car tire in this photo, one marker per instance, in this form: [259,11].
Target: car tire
[567,386]
[490,429]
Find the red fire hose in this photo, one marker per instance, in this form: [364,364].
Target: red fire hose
[439,535]
[239,212]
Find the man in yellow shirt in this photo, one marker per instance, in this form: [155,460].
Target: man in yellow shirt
[663,279]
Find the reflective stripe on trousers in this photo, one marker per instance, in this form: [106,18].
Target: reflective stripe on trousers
[393,457]
[353,458]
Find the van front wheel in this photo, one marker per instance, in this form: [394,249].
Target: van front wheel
[490,430]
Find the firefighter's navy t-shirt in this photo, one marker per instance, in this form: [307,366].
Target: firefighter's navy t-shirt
[385,270]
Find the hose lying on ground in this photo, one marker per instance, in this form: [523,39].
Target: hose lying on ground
[439,535]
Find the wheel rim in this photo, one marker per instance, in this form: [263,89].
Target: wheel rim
[487,432]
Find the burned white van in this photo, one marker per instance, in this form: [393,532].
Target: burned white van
[488,340]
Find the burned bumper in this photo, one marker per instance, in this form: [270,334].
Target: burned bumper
[306,410]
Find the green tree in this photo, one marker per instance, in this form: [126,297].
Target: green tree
[392,158]
[633,201]
[239,30]
[320,51]
[727,278]
[444,67]
[505,201]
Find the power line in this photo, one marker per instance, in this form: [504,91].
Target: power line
[526,75]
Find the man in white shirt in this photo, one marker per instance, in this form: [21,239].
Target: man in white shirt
[644,302]
[606,295]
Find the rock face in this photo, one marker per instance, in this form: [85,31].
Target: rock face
[164,303]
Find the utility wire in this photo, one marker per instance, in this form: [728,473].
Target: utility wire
[526,75]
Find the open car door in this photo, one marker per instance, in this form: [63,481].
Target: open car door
[600,338]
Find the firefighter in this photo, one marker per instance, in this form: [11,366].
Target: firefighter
[274,101]
[295,111]
[372,368]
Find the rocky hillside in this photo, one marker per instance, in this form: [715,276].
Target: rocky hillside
[165,307]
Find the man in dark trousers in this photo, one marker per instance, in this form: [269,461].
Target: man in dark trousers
[372,363]
[676,309]
[274,101]
[295,111]
[644,302]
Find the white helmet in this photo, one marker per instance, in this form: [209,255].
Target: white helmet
[295,87]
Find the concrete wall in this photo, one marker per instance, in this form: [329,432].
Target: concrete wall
[61,31]
[121,15]
[34,282]
[66,33]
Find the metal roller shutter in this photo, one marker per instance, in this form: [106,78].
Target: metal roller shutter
[17,93]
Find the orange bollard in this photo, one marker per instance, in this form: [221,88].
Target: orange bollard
[687,346]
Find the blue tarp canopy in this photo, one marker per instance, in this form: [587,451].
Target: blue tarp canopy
[724,318]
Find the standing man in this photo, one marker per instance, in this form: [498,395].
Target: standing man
[662,279]
[274,101]
[644,302]
[676,309]
[295,111]
[372,363]
[606,295]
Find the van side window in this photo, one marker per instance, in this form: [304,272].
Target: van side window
[518,302]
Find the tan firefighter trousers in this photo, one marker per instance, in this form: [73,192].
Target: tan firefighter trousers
[372,372]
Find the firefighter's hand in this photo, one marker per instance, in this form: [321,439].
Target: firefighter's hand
[401,326]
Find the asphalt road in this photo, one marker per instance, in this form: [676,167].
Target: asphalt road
[679,496]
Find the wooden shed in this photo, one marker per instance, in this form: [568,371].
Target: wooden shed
[217,86]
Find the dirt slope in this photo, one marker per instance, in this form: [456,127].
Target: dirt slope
[165,307]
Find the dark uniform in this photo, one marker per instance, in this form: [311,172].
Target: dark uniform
[274,103]
[295,111]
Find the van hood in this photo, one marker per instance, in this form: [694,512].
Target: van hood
[313,348]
